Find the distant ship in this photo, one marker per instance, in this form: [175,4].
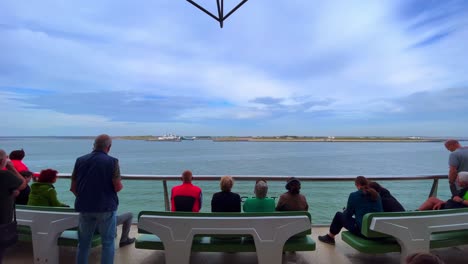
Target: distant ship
[188,138]
[167,137]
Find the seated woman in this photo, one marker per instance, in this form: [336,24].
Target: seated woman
[364,200]
[260,203]
[457,201]
[43,191]
[389,203]
[226,201]
[292,200]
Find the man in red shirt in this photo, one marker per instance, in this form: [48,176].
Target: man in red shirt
[186,197]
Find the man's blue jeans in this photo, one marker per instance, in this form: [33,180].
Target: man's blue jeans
[105,223]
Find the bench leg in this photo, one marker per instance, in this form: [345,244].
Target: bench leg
[269,253]
[412,247]
[177,252]
[45,249]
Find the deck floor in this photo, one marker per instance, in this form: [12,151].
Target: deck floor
[340,253]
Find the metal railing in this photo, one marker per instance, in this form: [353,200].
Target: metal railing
[165,178]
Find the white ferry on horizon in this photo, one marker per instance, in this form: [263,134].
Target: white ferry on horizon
[167,137]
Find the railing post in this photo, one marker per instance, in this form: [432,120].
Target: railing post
[435,186]
[166,196]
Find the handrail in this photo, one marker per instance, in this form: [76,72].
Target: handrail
[165,178]
[274,177]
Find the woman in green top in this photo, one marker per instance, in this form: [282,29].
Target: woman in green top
[260,203]
[43,191]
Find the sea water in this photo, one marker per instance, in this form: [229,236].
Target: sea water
[205,157]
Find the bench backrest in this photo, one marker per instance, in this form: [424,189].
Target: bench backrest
[367,219]
[25,228]
[45,208]
[195,215]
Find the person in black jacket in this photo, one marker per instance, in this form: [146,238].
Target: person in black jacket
[23,196]
[389,203]
[226,201]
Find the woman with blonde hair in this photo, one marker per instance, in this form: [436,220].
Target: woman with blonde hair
[364,200]
[225,200]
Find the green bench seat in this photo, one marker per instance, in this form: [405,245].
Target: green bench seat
[213,244]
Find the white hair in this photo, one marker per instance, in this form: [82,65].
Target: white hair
[463,176]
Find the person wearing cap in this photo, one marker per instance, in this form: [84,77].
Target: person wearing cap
[458,161]
[460,200]
[292,200]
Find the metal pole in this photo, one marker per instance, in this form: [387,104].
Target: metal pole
[435,186]
[166,196]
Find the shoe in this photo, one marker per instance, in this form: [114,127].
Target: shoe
[327,239]
[126,242]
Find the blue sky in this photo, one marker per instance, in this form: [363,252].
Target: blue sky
[296,67]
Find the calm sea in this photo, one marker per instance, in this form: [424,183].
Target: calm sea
[205,157]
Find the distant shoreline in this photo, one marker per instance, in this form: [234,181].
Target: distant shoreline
[297,139]
[264,138]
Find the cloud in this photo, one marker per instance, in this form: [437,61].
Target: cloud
[165,63]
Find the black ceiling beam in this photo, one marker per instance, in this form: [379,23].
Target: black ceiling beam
[220,6]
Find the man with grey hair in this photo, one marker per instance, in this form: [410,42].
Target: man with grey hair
[11,182]
[95,183]
[458,161]
[260,203]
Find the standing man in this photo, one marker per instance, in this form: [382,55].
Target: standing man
[458,161]
[95,183]
[186,197]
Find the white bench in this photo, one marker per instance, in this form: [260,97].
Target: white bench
[269,233]
[410,232]
[46,228]
[413,233]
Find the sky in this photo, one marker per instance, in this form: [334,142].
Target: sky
[296,67]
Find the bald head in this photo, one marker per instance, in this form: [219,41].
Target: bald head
[187,176]
[103,142]
[452,145]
